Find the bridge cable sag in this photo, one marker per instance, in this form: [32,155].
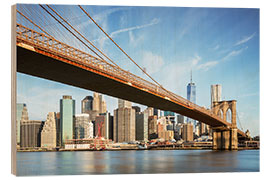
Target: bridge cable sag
[175,97]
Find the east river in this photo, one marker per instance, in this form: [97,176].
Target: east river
[136,162]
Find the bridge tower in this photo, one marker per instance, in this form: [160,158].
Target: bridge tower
[225,138]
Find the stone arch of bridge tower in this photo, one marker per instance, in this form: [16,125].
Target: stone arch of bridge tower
[220,113]
[221,108]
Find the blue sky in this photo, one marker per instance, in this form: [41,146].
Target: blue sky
[220,45]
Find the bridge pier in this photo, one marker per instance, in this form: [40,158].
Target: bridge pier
[224,139]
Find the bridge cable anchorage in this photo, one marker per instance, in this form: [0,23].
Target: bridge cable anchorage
[33,23]
[126,53]
[239,121]
[82,36]
[71,32]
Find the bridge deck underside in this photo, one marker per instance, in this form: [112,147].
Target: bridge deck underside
[36,64]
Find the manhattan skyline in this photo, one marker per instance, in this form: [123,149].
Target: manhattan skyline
[220,45]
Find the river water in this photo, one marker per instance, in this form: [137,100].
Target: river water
[136,162]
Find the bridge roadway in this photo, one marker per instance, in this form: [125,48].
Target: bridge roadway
[45,57]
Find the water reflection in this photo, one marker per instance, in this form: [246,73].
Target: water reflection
[134,162]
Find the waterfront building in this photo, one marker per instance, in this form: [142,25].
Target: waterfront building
[137,109]
[168,113]
[149,111]
[83,126]
[104,125]
[157,112]
[124,104]
[124,122]
[30,133]
[99,103]
[202,128]
[187,132]
[58,131]
[67,116]
[49,132]
[197,130]
[166,135]
[142,126]
[191,96]
[22,115]
[152,127]
[215,93]
[180,118]
[87,104]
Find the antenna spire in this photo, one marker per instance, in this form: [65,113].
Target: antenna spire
[191,76]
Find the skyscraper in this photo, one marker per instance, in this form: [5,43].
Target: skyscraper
[87,104]
[67,113]
[187,132]
[22,115]
[99,103]
[30,133]
[191,96]
[180,119]
[215,93]
[124,122]
[49,132]
[104,125]
[83,126]
[142,125]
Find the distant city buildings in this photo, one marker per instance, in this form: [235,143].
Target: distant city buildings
[127,125]
[180,118]
[142,126]
[87,104]
[104,125]
[83,126]
[49,132]
[187,132]
[152,127]
[22,115]
[67,115]
[124,122]
[30,133]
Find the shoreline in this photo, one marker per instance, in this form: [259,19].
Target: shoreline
[150,149]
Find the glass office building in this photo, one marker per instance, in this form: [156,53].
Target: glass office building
[191,96]
[67,115]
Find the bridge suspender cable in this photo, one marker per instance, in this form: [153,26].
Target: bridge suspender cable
[82,36]
[71,32]
[239,121]
[125,52]
[33,23]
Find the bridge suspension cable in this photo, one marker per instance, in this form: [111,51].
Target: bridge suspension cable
[71,32]
[33,23]
[82,36]
[126,53]
[239,121]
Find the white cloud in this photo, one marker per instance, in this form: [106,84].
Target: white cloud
[102,40]
[153,22]
[234,53]
[153,63]
[195,60]
[245,39]
[206,66]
